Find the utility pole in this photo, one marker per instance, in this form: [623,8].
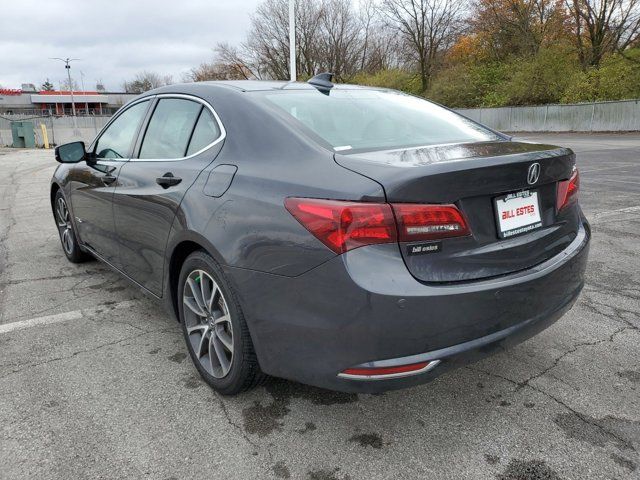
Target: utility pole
[292,40]
[86,104]
[67,61]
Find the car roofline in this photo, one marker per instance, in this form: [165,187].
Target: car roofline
[272,85]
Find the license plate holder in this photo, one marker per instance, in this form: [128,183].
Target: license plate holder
[517,213]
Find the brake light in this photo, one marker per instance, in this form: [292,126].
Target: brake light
[568,191]
[342,226]
[429,222]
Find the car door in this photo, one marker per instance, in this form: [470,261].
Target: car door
[182,137]
[93,181]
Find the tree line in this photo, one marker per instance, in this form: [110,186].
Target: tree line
[460,53]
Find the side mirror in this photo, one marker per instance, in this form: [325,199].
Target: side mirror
[72,152]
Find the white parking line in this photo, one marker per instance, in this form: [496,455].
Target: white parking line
[60,317]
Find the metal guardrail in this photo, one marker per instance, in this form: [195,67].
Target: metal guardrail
[613,116]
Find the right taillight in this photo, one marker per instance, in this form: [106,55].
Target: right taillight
[568,191]
[429,222]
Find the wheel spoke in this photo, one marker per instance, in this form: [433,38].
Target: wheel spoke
[195,290]
[212,355]
[67,240]
[222,357]
[222,319]
[214,294]
[204,290]
[194,307]
[202,342]
[224,338]
[61,210]
[196,328]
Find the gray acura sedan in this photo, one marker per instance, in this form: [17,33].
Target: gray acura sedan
[352,238]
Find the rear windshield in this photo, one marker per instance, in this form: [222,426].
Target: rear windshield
[375,120]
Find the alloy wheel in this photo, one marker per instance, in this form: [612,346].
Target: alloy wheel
[208,323]
[64,225]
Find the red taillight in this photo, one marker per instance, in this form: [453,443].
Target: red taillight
[429,222]
[342,226]
[568,191]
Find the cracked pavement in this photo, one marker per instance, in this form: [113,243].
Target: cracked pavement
[100,384]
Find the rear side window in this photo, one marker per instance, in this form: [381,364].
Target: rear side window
[205,133]
[116,141]
[170,128]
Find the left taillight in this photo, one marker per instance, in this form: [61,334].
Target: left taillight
[342,226]
[567,193]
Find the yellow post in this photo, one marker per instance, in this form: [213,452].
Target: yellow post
[45,137]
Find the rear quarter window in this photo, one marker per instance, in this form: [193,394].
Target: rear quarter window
[205,133]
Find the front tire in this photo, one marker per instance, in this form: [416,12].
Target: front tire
[214,327]
[68,237]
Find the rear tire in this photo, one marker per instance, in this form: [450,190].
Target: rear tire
[214,327]
[68,238]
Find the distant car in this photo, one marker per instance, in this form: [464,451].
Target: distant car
[352,238]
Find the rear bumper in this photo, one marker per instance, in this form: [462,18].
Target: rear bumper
[364,309]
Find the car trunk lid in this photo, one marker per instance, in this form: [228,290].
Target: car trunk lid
[476,177]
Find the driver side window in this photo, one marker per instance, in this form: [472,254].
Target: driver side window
[117,140]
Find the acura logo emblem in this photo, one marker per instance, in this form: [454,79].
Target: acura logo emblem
[534,173]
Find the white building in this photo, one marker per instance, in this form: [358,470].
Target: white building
[19,101]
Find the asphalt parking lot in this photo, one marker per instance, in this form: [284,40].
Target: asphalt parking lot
[95,381]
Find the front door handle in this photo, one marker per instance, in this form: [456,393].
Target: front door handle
[108,179]
[168,180]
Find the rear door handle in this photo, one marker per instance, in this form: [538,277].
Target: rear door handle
[168,180]
[108,179]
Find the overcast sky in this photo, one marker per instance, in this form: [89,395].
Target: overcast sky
[114,39]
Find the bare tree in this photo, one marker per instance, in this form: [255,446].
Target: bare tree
[227,65]
[309,19]
[518,27]
[230,56]
[428,28]
[340,39]
[145,81]
[267,46]
[331,35]
[66,87]
[604,26]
